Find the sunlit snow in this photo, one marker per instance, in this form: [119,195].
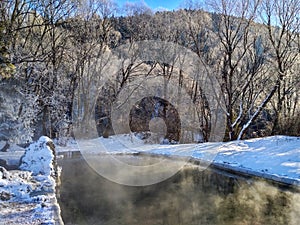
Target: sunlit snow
[276,157]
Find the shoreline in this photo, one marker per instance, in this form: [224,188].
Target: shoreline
[219,167]
[273,159]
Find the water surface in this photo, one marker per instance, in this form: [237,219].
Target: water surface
[191,197]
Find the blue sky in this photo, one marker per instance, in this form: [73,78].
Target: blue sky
[155,4]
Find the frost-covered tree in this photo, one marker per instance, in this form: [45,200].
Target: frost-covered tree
[37,49]
[92,36]
[6,67]
[55,48]
[17,113]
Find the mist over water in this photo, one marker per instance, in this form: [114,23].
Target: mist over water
[191,197]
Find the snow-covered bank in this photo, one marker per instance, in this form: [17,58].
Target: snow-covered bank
[27,196]
[10,158]
[276,158]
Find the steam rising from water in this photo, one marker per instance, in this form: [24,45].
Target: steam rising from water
[190,197]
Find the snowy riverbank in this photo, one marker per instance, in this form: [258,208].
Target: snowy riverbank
[276,158]
[27,196]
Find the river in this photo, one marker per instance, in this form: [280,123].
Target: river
[191,197]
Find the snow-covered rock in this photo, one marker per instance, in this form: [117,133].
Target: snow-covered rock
[39,158]
[27,196]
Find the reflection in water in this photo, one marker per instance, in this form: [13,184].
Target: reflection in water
[191,197]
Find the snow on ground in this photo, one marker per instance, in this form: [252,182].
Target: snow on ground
[27,196]
[276,157]
[11,157]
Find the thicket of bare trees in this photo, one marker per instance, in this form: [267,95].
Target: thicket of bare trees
[55,48]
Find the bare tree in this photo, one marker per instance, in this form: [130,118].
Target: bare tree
[227,50]
[92,34]
[281,20]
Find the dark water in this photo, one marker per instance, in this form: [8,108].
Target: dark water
[191,197]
